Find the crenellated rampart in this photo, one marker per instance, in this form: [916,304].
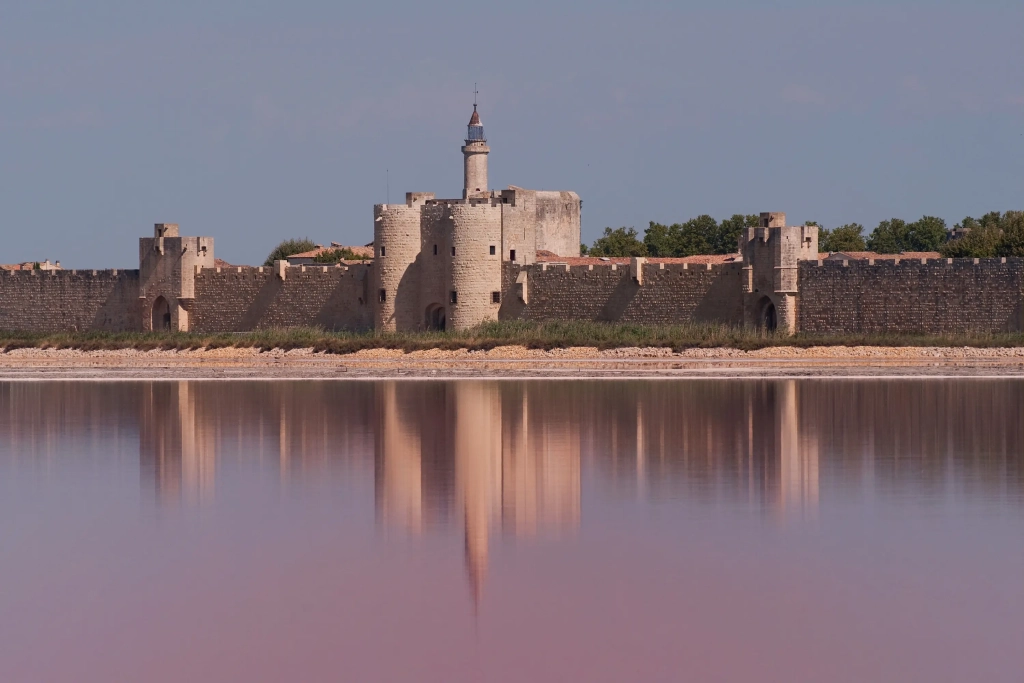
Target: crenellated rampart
[911,296]
[238,299]
[69,300]
[664,293]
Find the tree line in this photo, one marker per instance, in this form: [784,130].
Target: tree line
[994,234]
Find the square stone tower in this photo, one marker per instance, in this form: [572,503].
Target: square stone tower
[771,253]
[167,270]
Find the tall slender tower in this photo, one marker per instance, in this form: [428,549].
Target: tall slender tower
[475,153]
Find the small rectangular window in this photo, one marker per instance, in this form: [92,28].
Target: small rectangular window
[511,254]
[492,250]
[382,251]
[453,297]
[383,295]
[495,297]
[435,250]
[453,251]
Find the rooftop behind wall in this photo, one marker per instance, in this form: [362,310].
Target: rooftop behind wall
[932,296]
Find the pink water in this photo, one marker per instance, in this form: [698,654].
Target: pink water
[508,531]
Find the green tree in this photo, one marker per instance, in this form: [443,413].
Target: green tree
[890,237]
[982,240]
[337,255]
[928,233]
[727,236]
[583,249]
[618,242]
[849,237]
[289,247]
[1012,242]
[657,240]
[695,236]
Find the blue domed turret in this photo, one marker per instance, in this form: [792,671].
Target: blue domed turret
[475,130]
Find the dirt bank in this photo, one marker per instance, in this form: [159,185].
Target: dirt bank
[514,361]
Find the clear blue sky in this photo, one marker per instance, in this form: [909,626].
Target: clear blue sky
[252,121]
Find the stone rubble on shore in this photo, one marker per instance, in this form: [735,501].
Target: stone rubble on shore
[23,355]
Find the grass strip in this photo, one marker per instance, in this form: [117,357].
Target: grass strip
[550,335]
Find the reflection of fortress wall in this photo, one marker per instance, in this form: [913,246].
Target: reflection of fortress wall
[175,449]
[540,482]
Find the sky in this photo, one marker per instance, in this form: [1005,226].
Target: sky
[254,121]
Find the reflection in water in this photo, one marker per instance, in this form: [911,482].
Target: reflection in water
[508,454]
[176,452]
[676,577]
[470,446]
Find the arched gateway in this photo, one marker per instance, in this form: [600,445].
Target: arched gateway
[161,315]
[435,317]
[768,317]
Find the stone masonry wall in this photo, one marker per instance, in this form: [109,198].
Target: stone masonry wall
[474,273]
[396,237]
[70,300]
[240,299]
[558,222]
[941,295]
[670,293]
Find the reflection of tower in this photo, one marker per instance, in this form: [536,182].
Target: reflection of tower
[399,463]
[798,456]
[512,460]
[476,409]
[175,450]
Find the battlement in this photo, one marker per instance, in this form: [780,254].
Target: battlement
[917,262]
[72,275]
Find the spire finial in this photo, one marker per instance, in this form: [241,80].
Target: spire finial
[475,93]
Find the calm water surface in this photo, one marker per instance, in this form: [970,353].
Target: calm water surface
[813,530]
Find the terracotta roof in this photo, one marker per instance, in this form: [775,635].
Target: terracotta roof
[221,263]
[864,255]
[30,265]
[548,257]
[474,120]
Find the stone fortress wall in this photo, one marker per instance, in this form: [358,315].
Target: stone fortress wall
[912,295]
[665,293]
[238,299]
[70,300]
[832,297]
[513,254]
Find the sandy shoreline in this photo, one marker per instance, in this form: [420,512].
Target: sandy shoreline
[514,362]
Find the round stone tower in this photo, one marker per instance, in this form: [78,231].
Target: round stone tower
[396,241]
[474,271]
[475,153]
